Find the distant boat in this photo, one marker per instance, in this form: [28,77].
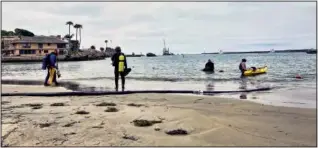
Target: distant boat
[134,55]
[311,51]
[150,54]
[165,51]
[272,51]
[220,52]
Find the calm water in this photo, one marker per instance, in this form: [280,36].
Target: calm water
[178,72]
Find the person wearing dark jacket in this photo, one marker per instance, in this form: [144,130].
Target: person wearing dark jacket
[52,69]
[209,66]
[120,65]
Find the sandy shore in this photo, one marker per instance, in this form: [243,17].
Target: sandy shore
[209,121]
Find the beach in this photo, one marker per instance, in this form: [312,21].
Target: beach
[208,121]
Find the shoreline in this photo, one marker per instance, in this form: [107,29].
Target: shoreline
[285,97]
[209,121]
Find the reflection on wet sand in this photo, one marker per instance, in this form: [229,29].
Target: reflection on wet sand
[210,86]
[243,83]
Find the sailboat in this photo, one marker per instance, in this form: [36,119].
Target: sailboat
[165,51]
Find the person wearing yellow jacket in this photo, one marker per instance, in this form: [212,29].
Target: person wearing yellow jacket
[120,66]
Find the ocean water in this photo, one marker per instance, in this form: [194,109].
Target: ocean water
[184,73]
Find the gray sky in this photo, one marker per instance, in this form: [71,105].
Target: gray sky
[188,27]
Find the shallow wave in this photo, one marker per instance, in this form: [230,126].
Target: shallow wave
[161,79]
[171,79]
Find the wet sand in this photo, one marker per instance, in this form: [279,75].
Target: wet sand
[209,121]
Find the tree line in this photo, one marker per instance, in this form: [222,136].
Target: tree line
[17,32]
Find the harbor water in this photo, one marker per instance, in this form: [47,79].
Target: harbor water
[183,72]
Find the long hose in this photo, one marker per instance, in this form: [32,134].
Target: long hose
[97,93]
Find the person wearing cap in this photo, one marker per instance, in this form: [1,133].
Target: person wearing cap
[52,68]
[120,65]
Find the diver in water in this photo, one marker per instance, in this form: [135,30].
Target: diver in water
[242,67]
[209,66]
[120,65]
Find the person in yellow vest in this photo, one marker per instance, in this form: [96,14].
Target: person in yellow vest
[120,65]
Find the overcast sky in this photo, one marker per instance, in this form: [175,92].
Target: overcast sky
[188,27]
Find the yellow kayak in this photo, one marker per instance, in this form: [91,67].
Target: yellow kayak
[258,71]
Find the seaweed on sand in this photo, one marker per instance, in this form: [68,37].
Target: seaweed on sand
[57,104]
[37,107]
[143,123]
[111,109]
[106,104]
[42,125]
[135,105]
[177,132]
[33,104]
[82,112]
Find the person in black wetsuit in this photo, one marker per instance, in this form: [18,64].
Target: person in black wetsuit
[209,66]
[120,64]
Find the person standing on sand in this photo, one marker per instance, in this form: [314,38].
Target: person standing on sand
[52,68]
[120,65]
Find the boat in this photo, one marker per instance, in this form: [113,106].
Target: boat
[311,52]
[165,51]
[134,55]
[257,71]
[150,54]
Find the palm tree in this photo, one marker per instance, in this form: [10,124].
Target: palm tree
[76,26]
[68,37]
[106,41]
[69,23]
[80,33]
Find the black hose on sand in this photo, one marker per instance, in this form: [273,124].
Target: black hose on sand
[96,93]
